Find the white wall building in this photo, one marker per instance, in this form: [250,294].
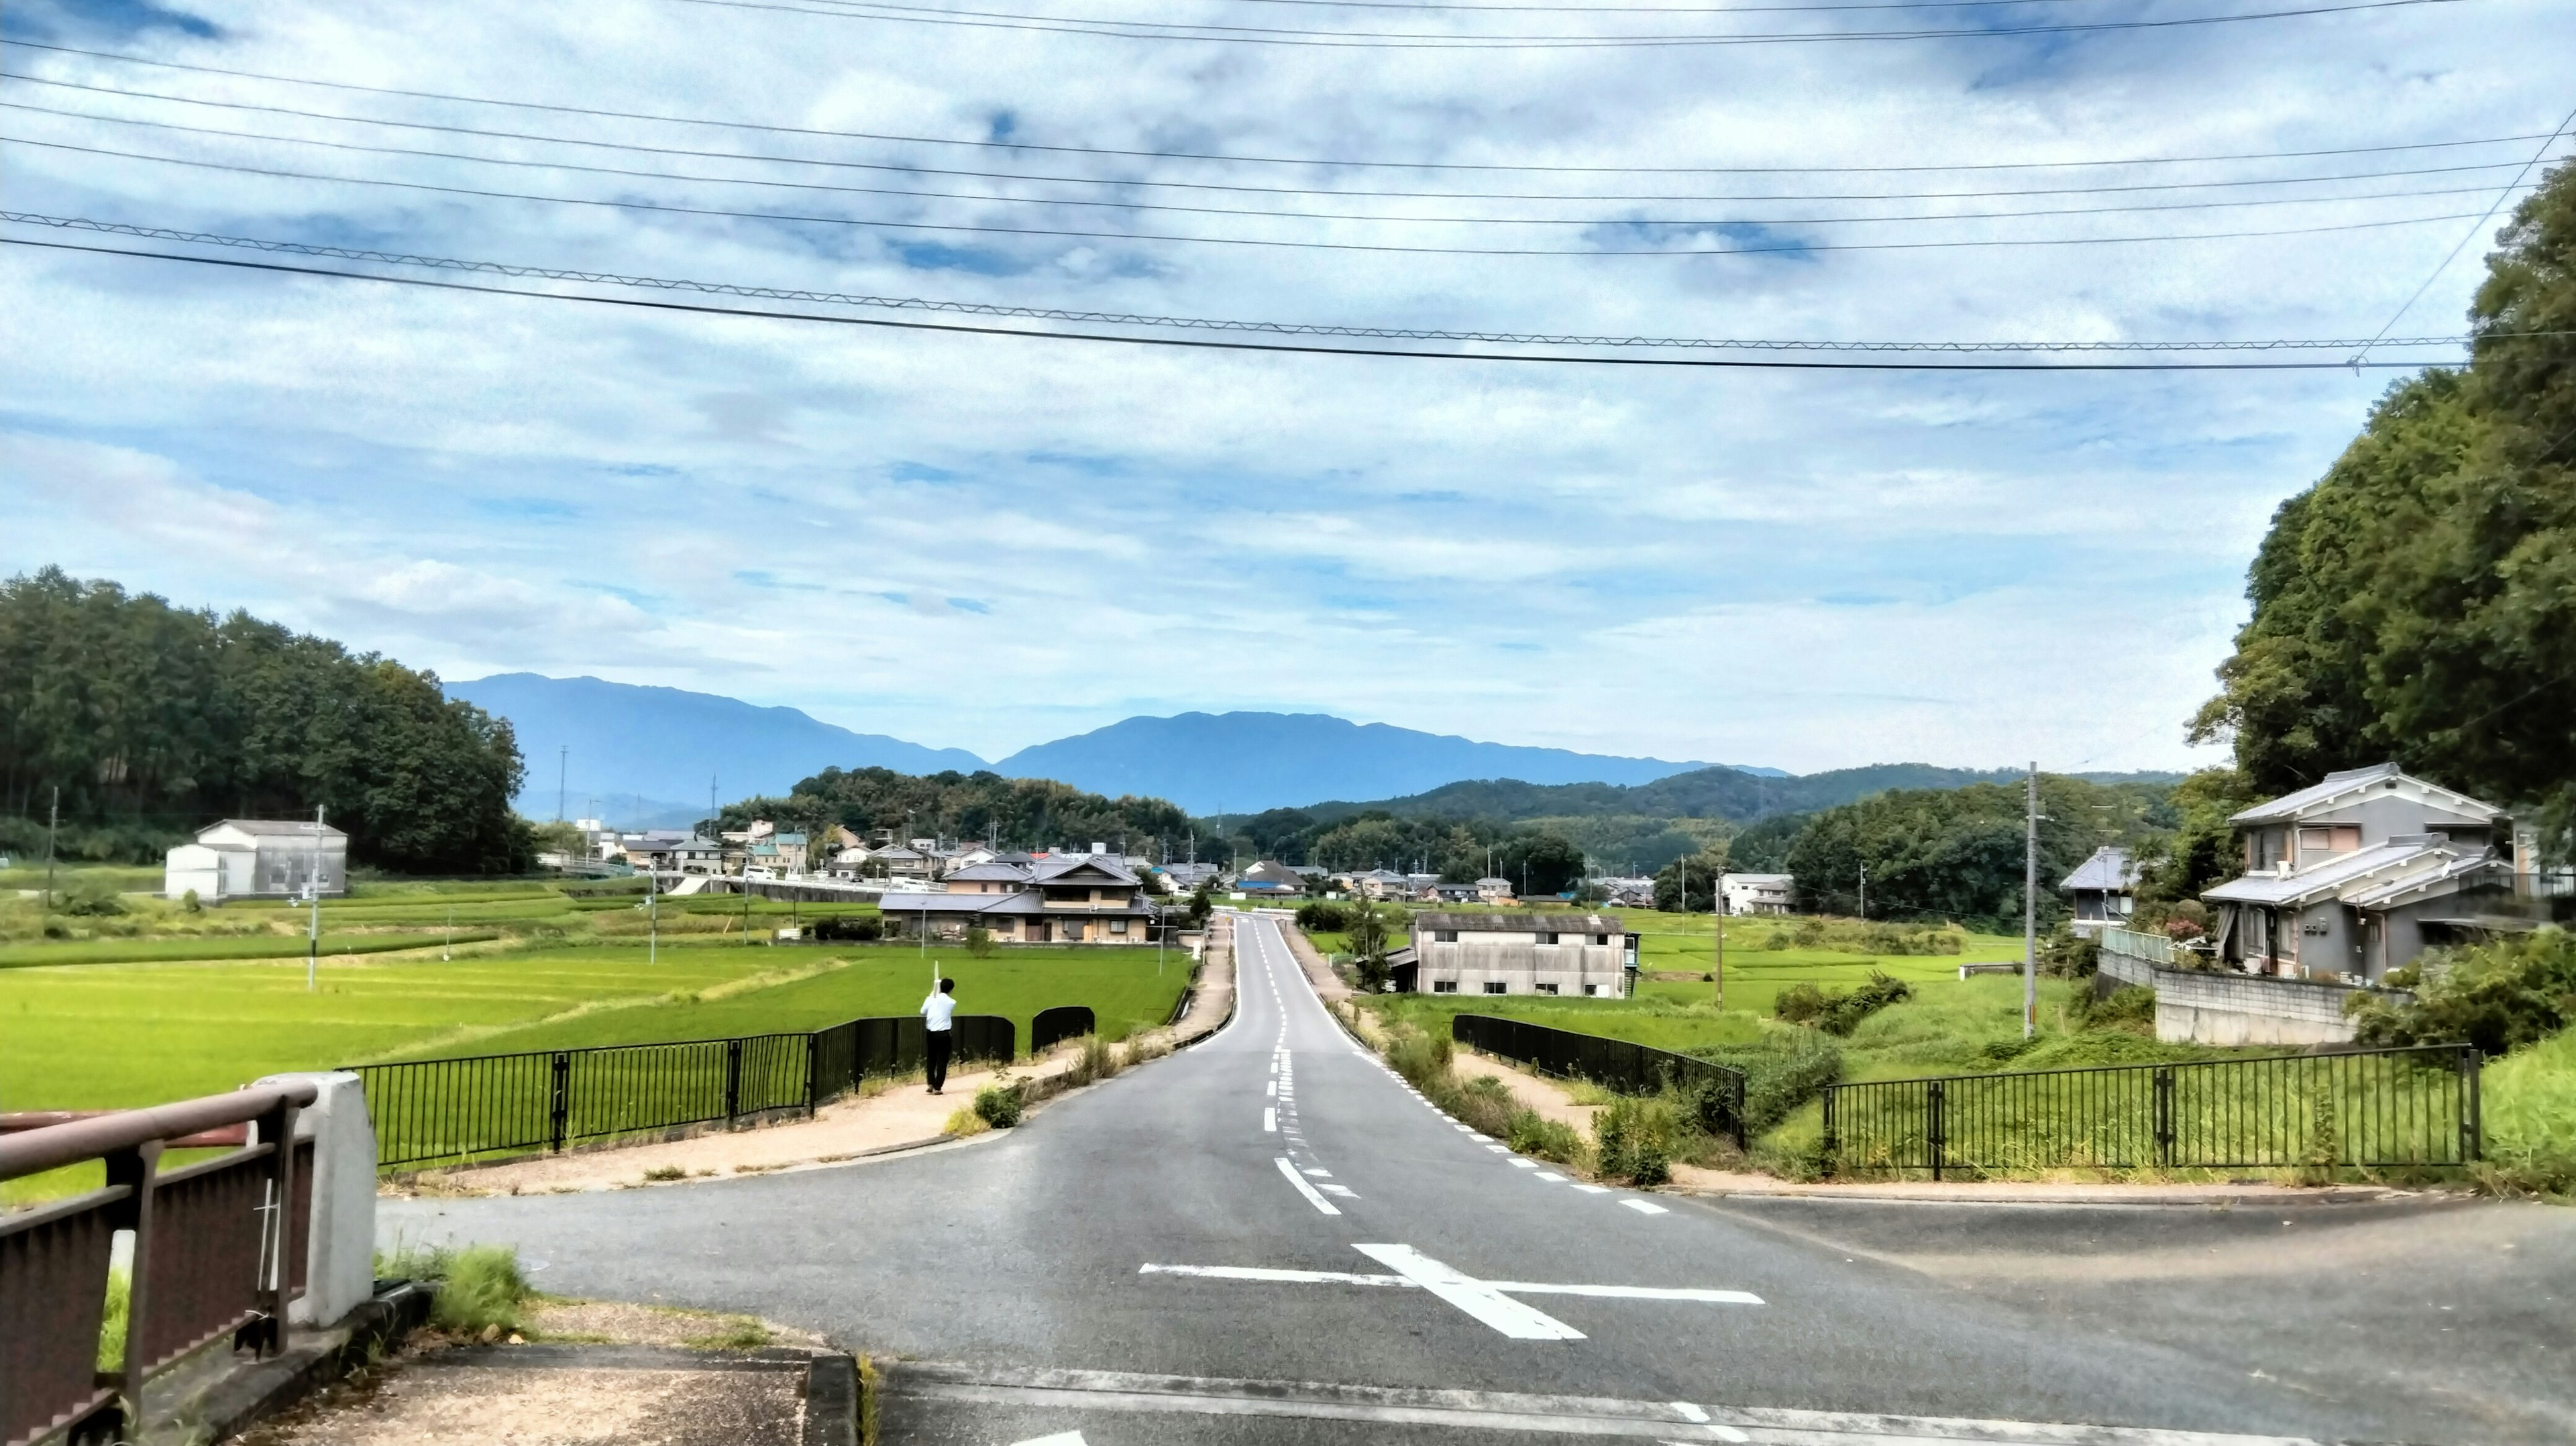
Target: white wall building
[1758,893]
[248,858]
[1573,954]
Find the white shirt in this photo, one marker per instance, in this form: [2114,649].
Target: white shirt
[937,1009]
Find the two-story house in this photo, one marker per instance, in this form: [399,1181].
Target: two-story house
[1058,899]
[2360,873]
[1576,954]
[1757,893]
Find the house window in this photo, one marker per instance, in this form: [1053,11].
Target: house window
[1444,986]
[1117,926]
[1496,986]
[1547,989]
[1547,938]
[1444,936]
[1593,989]
[1600,938]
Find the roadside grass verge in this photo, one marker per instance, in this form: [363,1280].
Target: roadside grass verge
[2530,1117]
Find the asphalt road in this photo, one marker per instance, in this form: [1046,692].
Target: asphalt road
[1269,1238]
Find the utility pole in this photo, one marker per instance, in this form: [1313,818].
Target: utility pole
[2030,906]
[313,883]
[563,768]
[53,818]
[1717,912]
[447,949]
[1864,892]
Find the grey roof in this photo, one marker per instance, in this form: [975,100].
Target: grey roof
[996,872]
[1518,923]
[2110,869]
[276,826]
[2350,783]
[2350,877]
[1050,869]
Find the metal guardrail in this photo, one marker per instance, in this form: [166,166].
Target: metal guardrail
[2375,1108]
[213,1255]
[1051,1027]
[487,1106]
[1618,1065]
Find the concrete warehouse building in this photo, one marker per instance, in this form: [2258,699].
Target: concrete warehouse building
[258,858]
[1577,954]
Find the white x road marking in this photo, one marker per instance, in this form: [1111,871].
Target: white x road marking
[1487,1300]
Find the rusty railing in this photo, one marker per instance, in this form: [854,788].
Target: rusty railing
[212,1253]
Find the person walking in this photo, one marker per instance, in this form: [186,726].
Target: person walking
[936,1013]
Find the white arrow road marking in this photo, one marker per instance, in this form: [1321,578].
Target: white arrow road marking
[1312,1198]
[1475,1297]
[1273,1276]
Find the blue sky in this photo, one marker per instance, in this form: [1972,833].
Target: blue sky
[982,543]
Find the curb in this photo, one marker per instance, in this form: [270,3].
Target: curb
[243,1397]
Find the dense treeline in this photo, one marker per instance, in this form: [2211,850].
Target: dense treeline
[2419,602]
[1458,850]
[1726,794]
[1017,813]
[154,720]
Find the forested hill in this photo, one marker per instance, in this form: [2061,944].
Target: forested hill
[153,721]
[1724,793]
[983,806]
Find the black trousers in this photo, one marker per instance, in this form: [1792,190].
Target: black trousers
[936,1057]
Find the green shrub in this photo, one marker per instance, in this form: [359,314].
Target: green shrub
[1837,1011]
[1323,917]
[2065,954]
[2529,1101]
[93,898]
[1096,1062]
[1535,1135]
[979,942]
[1800,1003]
[480,1287]
[998,1105]
[1633,1141]
[2499,997]
[1420,1056]
[1786,1069]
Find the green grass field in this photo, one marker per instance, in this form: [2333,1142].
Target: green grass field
[238,946]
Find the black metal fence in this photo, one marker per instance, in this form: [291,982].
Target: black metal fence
[451,1110]
[1052,1027]
[2384,1108]
[1618,1065]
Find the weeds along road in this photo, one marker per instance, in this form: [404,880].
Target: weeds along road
[1270,1238]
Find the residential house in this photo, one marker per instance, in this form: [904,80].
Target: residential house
[1758,893]
[991,877]
[2361,872]
[1381,884]
[1448,894]
[1271,877]
[253,858]
[1060,899]
[777,856]
[1495,891]
[2104,889]
[1573,954]
[1185,878]
[1628,891]
[899,863]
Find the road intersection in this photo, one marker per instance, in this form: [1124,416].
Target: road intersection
[1271,1238]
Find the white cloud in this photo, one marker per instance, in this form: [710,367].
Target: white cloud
[1810,569]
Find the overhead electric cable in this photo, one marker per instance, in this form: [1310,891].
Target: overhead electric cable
[963,228]
[327,251]
[886,10]
[1191,343]
[1345,163]
[1692,223]
[2472,233]
[1120,182]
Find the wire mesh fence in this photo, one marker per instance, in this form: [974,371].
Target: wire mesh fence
[1618,1065]
[2389,1108]
[489,1106]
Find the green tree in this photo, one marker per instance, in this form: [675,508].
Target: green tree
[2419,602]
[1700,872]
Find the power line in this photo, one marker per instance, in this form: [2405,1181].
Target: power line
[962,228]
[1122,183]
[1193,343]
[1106,318]
[2454,253]
[1345,163]
[1708,223]
[886,10]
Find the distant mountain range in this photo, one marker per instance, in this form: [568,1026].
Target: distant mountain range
[649,757]
[645,757]
[1729,793]
[1241,763]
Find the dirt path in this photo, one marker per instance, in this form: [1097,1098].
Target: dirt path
[1327,983]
